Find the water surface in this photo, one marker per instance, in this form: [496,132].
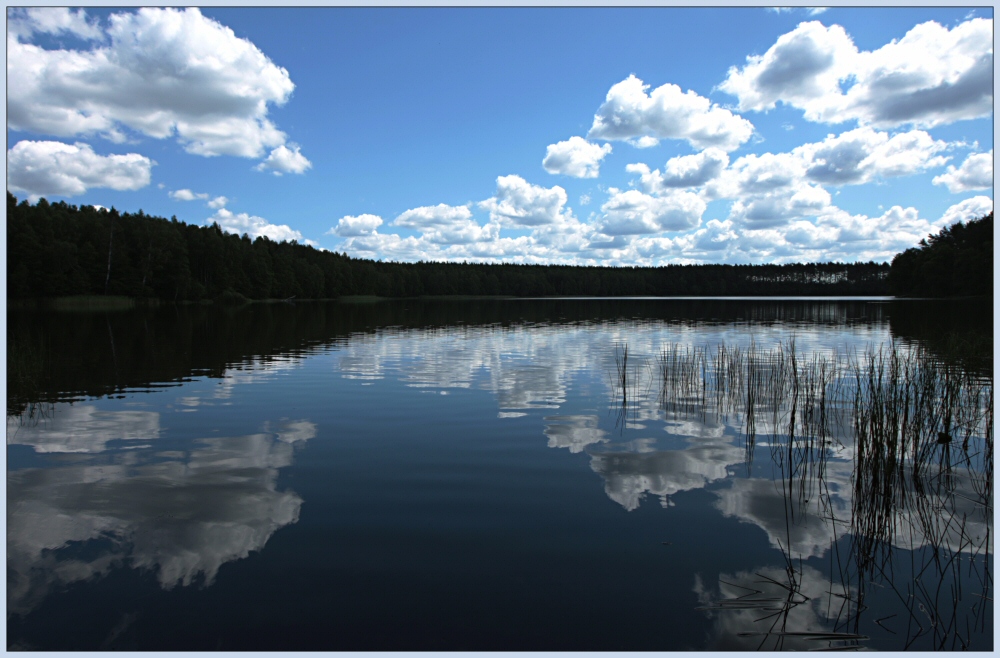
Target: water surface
[477,475]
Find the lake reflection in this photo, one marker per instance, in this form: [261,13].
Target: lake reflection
[180,514]
[476,475]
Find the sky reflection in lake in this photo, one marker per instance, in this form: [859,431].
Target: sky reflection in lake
[448,477]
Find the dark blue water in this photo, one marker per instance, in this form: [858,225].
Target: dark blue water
[461,476]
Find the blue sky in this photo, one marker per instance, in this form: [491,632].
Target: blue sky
[570,135]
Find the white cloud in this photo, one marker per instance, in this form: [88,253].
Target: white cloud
[53,168]
[714,236]
[803,65]
[353,226]
[683,171]
[758,174]
[862,155]
[575,157]
[165,72]
[777,208]
[644,142]
[932,76]
[284,159]
[634,213]
[976,173]
[444,224]
[859,156]
[218,202]
[973,208]
[252,225]
[838,235]
[519,203]
[667,113]
[186,195]
[433,216]
[53,20]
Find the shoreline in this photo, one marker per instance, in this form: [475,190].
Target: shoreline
[120,303]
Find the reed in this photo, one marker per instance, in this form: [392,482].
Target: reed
[921,433]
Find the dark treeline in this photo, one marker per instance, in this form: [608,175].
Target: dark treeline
[956,262]
[60,250]
[54,355]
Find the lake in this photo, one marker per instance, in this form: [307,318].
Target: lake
[550,474]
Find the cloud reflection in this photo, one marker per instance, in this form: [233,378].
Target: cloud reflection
[83,428]
[573,432]
[743,607]
[180,515]
[632,470]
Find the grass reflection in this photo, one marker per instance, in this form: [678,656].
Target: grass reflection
[918,431]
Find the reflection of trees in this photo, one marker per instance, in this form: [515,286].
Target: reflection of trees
[58,355]
[181,515]
[956,331]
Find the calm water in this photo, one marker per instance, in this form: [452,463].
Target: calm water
[474,475]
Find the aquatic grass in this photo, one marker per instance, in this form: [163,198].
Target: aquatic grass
[920,432]
[26,361]
[625,384]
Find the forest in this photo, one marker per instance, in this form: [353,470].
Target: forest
[57,250]
[957,262]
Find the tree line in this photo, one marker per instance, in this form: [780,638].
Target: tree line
[956,262]
[57,249]
[51,359]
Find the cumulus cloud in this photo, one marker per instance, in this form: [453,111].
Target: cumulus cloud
[53,20]
[644,142]
[444,224]
[186,195]
[629,230]
[861,155]
[253,226]
[802,200]
[519,203]
[218,202]
[758,174]
[667,113]
[976,173]
[932,76]
[462,239]
[682,171]
[634,213]
[838,235]
[575,157]
[973,208]
[353,226]
[53,168]
[778,183]
[285,160]
[803,65]
[714,236]
[162,73]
